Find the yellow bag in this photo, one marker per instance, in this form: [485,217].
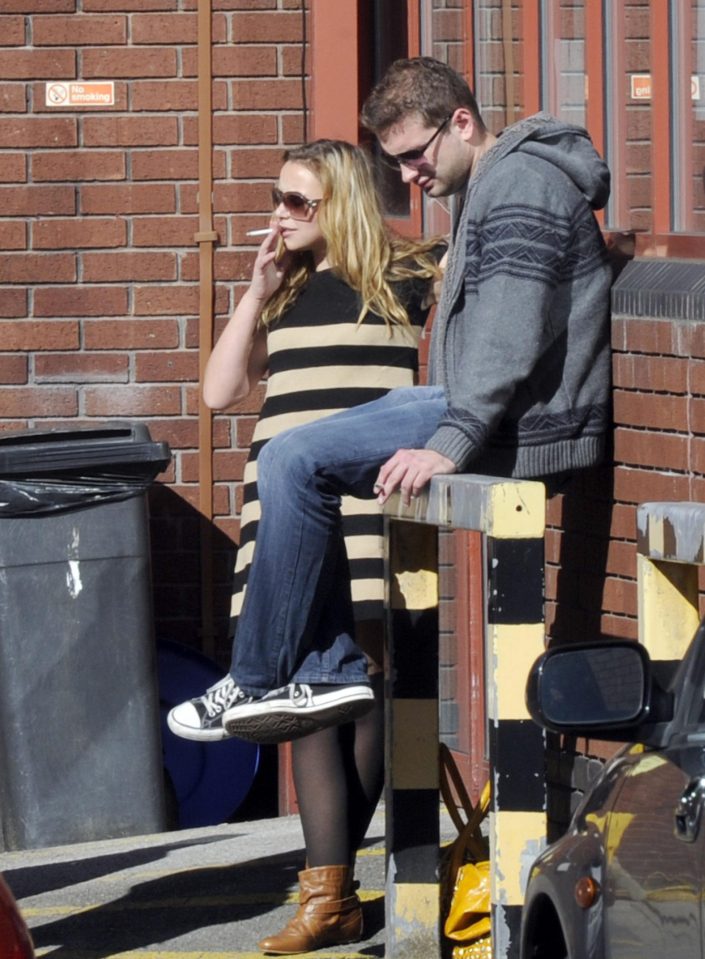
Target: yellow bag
[469,914]
[482,949]
[466,887]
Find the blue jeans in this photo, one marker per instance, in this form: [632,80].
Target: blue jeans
[296,623]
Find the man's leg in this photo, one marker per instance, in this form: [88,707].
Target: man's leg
[327,686]
[302,474]
[326,650]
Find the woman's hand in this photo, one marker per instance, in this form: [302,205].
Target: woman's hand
[268,271]
[239,358]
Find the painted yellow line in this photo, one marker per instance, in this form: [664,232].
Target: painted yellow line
[375,851]
[199,954]
[206,902]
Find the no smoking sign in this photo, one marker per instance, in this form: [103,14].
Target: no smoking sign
[98,94]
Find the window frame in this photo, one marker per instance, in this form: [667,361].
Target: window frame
[671,192]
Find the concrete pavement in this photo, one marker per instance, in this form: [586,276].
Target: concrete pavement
[208,893]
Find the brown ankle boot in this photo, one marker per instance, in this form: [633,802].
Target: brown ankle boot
[329,913]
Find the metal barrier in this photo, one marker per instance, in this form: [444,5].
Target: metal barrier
[670,548]
[511,516]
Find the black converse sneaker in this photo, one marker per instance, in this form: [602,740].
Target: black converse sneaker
[201,718]
[296,710]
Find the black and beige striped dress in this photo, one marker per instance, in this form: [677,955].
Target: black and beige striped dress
[321,361]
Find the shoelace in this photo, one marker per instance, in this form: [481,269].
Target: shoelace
[221,697]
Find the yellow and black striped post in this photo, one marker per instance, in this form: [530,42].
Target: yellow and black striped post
[412,782]
[670,547]
[511,516]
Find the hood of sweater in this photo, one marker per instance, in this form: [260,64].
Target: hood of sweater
[566,146]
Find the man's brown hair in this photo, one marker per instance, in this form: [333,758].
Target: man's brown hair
[420,86]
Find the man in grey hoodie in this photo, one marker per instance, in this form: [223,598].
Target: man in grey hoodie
[519,378]
[521,337]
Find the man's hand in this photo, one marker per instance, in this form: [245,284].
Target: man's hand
[409,471]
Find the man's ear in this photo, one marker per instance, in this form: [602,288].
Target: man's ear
[465,123]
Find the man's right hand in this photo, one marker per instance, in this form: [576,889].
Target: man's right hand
[409,471]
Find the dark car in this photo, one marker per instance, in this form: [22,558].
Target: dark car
[627,880]
[15,941]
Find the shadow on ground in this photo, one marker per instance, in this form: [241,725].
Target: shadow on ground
[213,900]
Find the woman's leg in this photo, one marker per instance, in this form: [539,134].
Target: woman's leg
[339,773]
[321,791]
[364,751]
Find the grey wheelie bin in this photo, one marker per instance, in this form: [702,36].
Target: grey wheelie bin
[80,749]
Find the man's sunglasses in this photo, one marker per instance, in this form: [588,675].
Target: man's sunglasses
[297,205]
[413,156]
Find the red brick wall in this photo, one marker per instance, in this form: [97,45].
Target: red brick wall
[98,210]
[659,454]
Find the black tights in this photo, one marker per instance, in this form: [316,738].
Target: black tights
[339,774]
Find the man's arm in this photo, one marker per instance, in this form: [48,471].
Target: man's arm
[518,234]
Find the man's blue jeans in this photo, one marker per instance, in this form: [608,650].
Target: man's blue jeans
[296,624]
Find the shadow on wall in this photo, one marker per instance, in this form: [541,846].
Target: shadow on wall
[586,520]
[181,604]
[586,508]
[175,527]
[587,505]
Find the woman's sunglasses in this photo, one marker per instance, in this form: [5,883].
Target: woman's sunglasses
[297,205]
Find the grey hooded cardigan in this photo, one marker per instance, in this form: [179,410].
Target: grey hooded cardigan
[521,340]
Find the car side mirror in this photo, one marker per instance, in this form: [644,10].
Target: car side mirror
[598,690]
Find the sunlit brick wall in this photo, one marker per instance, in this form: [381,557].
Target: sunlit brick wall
[98,210]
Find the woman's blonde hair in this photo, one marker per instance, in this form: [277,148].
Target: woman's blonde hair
[360,247]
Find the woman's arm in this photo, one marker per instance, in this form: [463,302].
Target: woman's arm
[239,358]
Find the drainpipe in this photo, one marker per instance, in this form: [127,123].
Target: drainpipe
[206,237]
[507,44]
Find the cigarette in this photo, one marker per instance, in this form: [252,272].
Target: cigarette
[259,232]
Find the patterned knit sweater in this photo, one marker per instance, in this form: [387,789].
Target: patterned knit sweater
[521,338]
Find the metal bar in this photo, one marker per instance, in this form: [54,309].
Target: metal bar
[514,638]
[595,81]
[500,507]
[469,14]
[684,134]
[617,129]
[508,48]
[661,130]
[510,514]
[412,902]
[206,237]
[532,56]
[670,547]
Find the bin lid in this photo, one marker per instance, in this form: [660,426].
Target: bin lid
[87,448]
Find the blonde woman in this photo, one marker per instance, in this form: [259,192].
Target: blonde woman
[333,314]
